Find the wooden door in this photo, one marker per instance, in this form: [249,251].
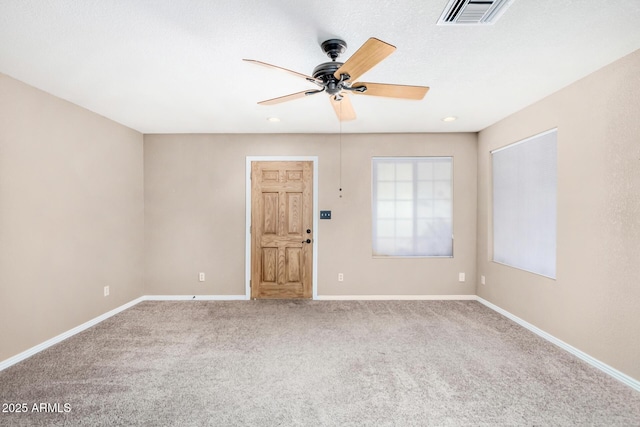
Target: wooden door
[281,234]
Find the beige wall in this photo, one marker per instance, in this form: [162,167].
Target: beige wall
[195,213]
[71,216]
[594,303]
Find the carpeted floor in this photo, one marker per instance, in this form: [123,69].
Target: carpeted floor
[312,363]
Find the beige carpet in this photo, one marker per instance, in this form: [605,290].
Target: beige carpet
[312,363]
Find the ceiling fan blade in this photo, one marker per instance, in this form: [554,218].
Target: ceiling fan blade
[295,73]
[368,56]
[343,108]
[286,98]
[391,91]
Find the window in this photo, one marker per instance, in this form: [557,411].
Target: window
[524,204]
[412,206]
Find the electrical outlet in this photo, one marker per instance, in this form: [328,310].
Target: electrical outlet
[461,277]
[482,280]
[340,277]
[201,277]
[106,291]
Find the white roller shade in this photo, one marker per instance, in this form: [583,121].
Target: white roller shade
[524,204]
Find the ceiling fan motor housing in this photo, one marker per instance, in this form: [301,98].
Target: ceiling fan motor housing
[325,73]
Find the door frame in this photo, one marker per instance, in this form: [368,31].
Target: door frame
[314,234]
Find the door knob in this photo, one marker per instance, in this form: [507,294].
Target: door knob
[308,231]
[306,241]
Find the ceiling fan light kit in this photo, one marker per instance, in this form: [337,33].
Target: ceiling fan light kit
[339,79]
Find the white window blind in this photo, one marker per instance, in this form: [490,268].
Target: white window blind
[524,204]
[412,206]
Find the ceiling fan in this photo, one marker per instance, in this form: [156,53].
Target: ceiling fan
[339,79]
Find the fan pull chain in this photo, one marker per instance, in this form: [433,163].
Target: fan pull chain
[340,173]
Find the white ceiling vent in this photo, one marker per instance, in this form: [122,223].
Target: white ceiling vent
[465,12]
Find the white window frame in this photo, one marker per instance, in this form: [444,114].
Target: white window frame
[416,216]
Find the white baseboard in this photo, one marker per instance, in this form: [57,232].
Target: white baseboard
[396,297]
[194,297]
[626,379]
[63,336]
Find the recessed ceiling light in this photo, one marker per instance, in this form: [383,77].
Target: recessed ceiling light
[273,119]
[450,119]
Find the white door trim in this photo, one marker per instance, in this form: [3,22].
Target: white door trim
[314,234]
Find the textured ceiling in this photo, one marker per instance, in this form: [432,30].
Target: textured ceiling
[161,66]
